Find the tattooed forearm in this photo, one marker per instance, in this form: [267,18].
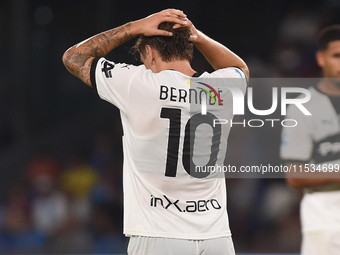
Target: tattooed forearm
[78,58]
[101,44]
[78,64]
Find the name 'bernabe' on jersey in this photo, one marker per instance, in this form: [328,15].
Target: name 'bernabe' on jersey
[161,196]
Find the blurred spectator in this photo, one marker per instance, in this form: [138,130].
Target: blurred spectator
[17,232]
[77,181]
[49,204]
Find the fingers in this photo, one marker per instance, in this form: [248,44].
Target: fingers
[152,22]
[175,16]
[177,26]
[192,38]
[174,12]
[162,33]
[176,20]
[186,23]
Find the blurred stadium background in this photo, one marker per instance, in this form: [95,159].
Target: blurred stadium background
[60,146]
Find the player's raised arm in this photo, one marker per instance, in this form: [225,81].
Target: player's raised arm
[78,59]
[217,54]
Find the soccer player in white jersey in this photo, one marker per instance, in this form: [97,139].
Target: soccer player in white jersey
[166,210]
[315,141]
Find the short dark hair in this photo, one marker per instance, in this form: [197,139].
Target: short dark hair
[175,47]
[327,35]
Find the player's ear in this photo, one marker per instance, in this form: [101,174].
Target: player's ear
[147,50]
[152,54]
[320,58]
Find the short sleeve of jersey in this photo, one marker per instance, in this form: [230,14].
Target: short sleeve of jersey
[232,72]
[112,81]
[229,72]
[296,142]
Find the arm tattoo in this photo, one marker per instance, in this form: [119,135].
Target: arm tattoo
[78,65]
[76,59]
[103,43]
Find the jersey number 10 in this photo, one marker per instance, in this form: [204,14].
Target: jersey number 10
[174,115]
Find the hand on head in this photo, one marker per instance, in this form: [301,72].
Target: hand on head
[149,26]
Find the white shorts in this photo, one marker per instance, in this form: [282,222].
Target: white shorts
[321,242]
[143,245]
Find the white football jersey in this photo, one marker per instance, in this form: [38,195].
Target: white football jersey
[315,139]
[161,196]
